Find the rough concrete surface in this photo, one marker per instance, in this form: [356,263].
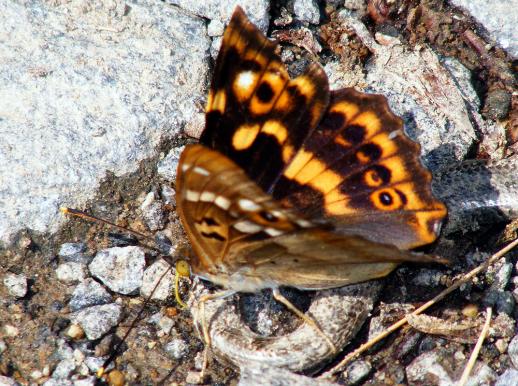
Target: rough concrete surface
[87,88]
[97,100]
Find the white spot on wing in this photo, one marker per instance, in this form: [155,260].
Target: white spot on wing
[222,202]
[247,227]
[207,197]
[191,195]
[245,80]
[303,223]
[273,232]
[185,167]
[393,134]
[248,205]
[199,170]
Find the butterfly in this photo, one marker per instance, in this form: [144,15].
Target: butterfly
[295,185]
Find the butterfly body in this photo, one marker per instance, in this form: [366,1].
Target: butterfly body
[296,185]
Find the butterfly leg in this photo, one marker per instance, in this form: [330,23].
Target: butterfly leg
[281,299]
[205,325]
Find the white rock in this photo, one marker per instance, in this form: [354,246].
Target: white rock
[155,274]
[307,10]
[498,17]
[98,320]
[177,348]
[120,268]
[16,284]
[71,272]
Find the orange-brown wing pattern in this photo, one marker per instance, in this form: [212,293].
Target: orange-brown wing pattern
[245,240]
[255,114]
[360,171]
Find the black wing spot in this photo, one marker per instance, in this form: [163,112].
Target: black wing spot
[386,199]
[265,92]
[227,68]
[402,196]
[250,65]
[333,121]
[213,235]
[354,134]
[298,98]
[381,172]
[209,221]
[267,216]
[370,151]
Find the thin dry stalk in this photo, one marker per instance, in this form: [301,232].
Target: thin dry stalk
[466,278]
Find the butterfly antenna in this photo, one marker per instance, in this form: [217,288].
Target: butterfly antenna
[86,216]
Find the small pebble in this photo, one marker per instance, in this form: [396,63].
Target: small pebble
[11,331]
[512,351]
[120,268]
[501,345]
[3,346]
[505,303]
[89,293]
[152,213]
[194,377]
[95,363]
[36,374]
[115,378]
[177,348]
[155,274]
[166,324]
[16,285]
[75,332]
[96,321]
[508,378]
[168,195]
[357,372]
[502,277]
[74,252]
[6,381]
[470,311]
[166,168]
[89,381]
[64,369]
[71,272]
[307,10]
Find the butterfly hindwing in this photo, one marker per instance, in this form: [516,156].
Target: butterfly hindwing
[238,231]
[361,172]
[256,115]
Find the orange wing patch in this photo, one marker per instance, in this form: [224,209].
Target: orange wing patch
[256,115]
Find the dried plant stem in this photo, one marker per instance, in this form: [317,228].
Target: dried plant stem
[466,278]
[474,354]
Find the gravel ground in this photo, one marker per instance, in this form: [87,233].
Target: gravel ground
[96,102]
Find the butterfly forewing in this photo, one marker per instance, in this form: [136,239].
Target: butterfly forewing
[256,115]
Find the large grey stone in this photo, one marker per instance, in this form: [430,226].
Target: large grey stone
[498,17]
[86,88]
[256,10]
